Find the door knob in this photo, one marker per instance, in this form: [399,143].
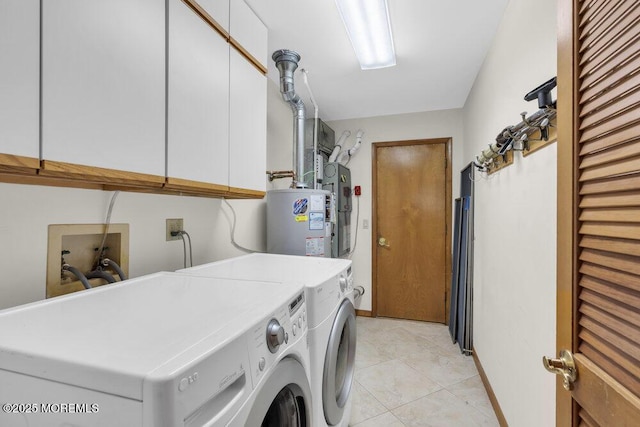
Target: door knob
[565,366]
[383,242]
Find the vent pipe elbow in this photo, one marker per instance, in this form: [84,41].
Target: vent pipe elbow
[336,150]
[287,63]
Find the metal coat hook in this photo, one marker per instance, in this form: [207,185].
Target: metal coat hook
[525,120]
[524,143]
[544,129]
[516,137]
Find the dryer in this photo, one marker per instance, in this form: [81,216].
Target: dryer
[160,350]
[331,320]
[332,344]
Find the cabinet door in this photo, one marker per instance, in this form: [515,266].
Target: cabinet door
[19,79]
[198,109]
[103,84]
[218,9]
[248,132]
[247,30]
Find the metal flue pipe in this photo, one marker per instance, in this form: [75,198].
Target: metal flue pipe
[287,63]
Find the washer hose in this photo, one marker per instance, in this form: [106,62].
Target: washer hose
[107,262]
[99,274]
[83,279]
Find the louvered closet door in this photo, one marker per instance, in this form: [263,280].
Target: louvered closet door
[606,118]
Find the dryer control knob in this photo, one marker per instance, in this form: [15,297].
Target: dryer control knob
[343,283]
[275,335]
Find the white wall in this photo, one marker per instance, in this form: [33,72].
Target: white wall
[425,125]
[515,221]
[27,210]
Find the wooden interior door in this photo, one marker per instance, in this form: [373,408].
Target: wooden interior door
[411,241]
[599,210]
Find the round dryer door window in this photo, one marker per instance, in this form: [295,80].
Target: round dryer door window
[284,400]
[285,411]
[339,363]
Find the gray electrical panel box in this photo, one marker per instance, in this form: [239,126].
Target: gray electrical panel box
[326,138]
[337,180]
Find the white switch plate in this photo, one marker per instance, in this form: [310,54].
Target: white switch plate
[365,224]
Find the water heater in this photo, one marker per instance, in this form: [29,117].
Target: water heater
[298,222]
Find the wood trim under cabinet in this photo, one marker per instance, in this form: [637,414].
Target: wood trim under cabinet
[100,175]
[189,186]
[10,162]
[58,174]
[13,178]
[492,396]
[237,46]
[193,5]
[244,193]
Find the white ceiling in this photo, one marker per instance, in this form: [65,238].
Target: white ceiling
[440,46]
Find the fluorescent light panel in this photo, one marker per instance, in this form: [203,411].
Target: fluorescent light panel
[368,27]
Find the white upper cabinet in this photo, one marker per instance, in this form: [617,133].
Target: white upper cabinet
[19,77]
[103,83]
[248,30]
[198,99]
[218,10]
[248,139]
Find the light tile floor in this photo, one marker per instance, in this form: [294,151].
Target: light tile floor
[409,374]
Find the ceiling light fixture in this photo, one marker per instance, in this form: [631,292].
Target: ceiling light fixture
[368,26]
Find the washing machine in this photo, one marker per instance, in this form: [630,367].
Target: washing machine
[158,351]
[331,320]
[280,362]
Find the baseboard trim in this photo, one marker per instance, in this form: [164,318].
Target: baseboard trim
[364,313]
[492,397]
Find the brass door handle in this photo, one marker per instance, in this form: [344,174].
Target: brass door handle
[565,366]
[383,242]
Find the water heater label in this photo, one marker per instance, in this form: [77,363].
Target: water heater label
[301,218]
[315,246]
[317,202]
[316,221]
[300,206]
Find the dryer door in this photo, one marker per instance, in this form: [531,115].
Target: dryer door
[339,363]
[284,400]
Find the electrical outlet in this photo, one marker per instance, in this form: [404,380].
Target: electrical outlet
[174,224]
[365,224]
